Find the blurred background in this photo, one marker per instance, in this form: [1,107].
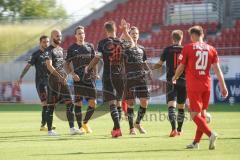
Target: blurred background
[22,22]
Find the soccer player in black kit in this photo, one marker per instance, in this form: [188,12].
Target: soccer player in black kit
[110,50]
[41,78]
[57,83]
[175,92]
[79,55]
[137,72]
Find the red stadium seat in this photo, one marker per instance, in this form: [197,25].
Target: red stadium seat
[145,13]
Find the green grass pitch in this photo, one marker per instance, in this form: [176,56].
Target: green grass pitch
[21,139]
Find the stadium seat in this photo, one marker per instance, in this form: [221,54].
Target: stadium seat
[153,12]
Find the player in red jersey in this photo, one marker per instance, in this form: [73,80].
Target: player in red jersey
[197,59]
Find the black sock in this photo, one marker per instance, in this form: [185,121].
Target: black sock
[70,115]
[141,113]
[89,114]
[44,112]
[49,116]
[119,112]
[180,119]
[130,114]
[172,117]
[78,115]
[115,116]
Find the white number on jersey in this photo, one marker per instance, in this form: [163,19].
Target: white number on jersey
[202,61]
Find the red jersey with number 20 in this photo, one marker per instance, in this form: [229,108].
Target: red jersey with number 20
[198,58]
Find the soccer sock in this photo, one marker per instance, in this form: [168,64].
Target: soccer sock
[124,106]
[115,116]
[130,114]
[119,112]
[70,115]
[49,116]
[198,136]
[202,125]
[180,119]
[44,110]
[141,113]
[78,115]
[172,117]
[89,114]
[199,133]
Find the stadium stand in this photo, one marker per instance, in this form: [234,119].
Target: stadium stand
[157,18]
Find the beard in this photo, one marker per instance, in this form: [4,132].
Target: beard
[57,41]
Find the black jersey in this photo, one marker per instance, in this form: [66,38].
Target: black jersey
[170,55]
[134,58]
[56,55]
[80,56]
[111,50]
[38,60]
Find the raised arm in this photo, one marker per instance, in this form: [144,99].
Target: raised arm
[125,34]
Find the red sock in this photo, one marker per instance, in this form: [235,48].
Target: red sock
[202,125]
[199,133]
[124,106]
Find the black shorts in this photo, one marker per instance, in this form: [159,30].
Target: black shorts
[136,88]
[41,87]
[113,88]
[176,92]
[57,91]
[86,89]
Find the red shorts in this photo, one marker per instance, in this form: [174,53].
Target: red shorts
[198,100]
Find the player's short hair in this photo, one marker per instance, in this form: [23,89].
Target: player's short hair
[198,30]
[110,26]
[42,38]
[133,28]
[77,28]
[177,35]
